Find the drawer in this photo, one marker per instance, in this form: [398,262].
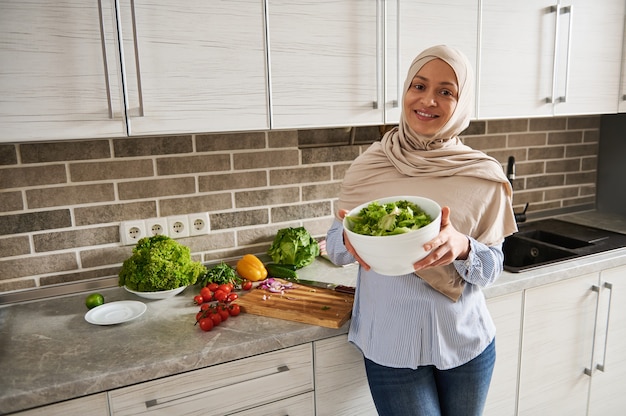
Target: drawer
[94,405]
[221,389]
[301,405]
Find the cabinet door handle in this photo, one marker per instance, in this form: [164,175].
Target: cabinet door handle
[589,370]
[555,10]
[602,366]
[380,29]
[268,64]
[157,402]
[105,59]
[137,66]
[569,11]
[399,84]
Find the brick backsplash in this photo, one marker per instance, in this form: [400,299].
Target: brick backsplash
[61,203]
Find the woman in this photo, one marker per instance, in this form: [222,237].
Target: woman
[427,337]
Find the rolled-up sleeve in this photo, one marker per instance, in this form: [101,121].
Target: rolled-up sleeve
[483,265]
[337,251]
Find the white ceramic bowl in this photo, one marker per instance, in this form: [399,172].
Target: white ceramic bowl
[394,255]
[162,294]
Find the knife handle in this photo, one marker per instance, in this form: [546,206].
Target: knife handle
[345,289]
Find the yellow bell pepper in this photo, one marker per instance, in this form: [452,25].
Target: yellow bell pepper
[251,268]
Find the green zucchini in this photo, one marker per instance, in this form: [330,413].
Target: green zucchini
[281,271]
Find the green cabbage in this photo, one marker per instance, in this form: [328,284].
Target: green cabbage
[159,263]
[294,246]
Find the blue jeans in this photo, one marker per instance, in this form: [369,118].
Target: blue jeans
[427,391]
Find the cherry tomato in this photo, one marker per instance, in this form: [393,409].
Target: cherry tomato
[223,312]
[199,316]
[198,299]
[217,318]
[206,324]
[225,288]
[234,309]
[220,295]
[205,306]
[231,297]
[212,286]
[247,285]
[206,294]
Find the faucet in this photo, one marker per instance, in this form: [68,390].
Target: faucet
[510,174]
[510,169]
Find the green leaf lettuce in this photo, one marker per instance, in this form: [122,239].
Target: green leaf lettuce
[294,246]
[159,263]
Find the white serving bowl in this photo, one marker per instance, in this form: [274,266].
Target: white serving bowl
[162,294]
[394,255]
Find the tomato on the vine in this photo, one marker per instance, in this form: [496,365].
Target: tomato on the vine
[217,318]
[225,288]
[212,286]
[220,295]
[231,297]
[206,294]
[206,324]
[234,309]
[223,313]
[198,299]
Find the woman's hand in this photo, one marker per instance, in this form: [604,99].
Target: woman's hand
[346,242]
[449,245]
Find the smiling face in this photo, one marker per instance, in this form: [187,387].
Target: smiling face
[431,98]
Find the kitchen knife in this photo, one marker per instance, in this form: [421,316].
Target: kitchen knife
[325,285]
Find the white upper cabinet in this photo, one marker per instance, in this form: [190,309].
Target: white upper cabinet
[325,63]
[413,26]
[517,58]
[59,72]
[547,57]
[592,72]
[344,62]
[195,66]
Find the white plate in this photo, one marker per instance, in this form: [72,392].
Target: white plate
[162,294]
[115,312]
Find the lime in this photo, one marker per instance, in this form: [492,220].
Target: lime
[93,300]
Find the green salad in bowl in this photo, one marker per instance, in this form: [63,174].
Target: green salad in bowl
[389,233]
[397,217]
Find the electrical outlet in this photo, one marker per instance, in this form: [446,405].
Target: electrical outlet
[132,231]
[199,223]
[156,226]
[178,226]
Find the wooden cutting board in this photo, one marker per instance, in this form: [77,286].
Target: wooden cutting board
[316,306]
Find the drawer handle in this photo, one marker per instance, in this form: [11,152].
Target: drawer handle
[156,402]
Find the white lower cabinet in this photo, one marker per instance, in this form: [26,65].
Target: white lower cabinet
[94,405]
[340,382]
[250,386]
[557,342]
[608,395]
[506,312]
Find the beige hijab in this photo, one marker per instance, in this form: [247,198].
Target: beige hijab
[407,163]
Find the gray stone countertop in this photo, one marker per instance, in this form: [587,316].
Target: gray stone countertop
[50,353]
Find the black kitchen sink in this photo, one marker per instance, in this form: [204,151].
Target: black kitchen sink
[546,242]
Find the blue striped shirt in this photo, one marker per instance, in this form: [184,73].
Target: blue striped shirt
[400,321]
